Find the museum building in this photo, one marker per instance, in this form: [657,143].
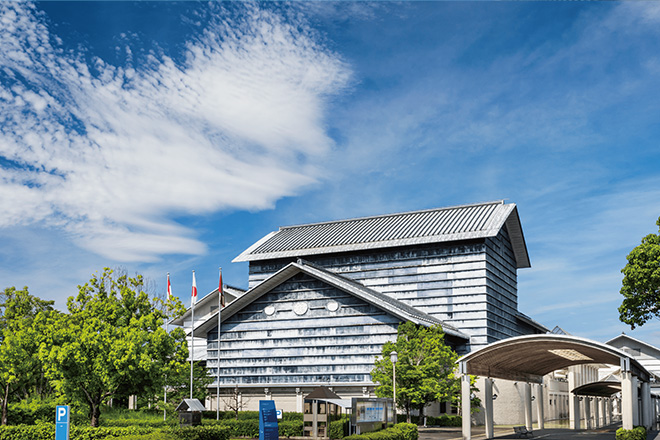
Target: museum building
[323,298]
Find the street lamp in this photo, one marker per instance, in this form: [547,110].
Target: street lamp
[393,358]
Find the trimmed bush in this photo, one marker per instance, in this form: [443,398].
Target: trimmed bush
[339,428]
[28,432]
[290,428]
[204,432]
[637,433]
[400,431]
[101,433]
[160,435]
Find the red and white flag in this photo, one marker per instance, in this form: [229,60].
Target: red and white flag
[221,292]
[193,298]
[169,288]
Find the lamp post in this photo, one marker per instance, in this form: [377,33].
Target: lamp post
[393,358]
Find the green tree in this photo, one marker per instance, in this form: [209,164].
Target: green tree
[424,369]
[112,343]
[21,315]
[641,282]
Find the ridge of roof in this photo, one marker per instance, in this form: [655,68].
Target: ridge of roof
[625,336]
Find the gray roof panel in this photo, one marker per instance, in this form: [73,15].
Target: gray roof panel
[409,228]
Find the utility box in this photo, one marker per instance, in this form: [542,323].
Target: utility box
[190,412]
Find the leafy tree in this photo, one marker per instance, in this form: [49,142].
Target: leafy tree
[424,369]
[21,315]
[641,282]
[112,343]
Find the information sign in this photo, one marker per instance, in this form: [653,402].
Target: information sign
[267,420]
[62,422]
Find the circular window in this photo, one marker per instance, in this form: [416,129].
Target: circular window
[269,310]
[300,308]
[333,306]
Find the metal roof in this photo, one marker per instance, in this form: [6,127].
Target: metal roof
[390,305]
[409,228]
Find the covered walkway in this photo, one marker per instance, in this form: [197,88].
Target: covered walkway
[527,359]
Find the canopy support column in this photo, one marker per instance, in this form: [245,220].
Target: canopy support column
[539,405]
[597,412]
[627,401]
[587,412]
[646,405]
[573,401]
[465,406]
[488,404]
[527,393]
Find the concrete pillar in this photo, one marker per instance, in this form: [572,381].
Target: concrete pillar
[627,401]
[465,407]
[488,405]
[587,412]
[573,400]
[646,405]
[597,412]
[299,400]
[603,411]
[527,397]
[539,405]
[132,402]
[635,401]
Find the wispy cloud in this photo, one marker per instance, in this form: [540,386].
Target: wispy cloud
[111,153]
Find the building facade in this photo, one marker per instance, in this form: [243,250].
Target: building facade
[323,298]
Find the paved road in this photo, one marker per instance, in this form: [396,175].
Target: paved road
[608,433]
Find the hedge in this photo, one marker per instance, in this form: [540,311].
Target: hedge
[204,432]
[443,420]
[400,431]
[339,428]
[637,433]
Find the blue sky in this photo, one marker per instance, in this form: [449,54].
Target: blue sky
[166,137]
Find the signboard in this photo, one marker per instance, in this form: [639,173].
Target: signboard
[267,420]
[62,422]
[279,413]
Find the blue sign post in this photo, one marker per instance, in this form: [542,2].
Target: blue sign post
[267,420]
[62,422]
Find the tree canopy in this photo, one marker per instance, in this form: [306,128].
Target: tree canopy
[424,369]
[21,315]
[112,343]
[641,282]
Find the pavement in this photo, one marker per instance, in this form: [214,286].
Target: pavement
[501,432]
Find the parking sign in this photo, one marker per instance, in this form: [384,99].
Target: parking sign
[62,422]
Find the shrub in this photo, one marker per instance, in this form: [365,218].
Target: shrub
[637,433]
[400,431]
[204,432]
[291,428]
[28,432]
[444,420]
[101,433]
[339,428]
[160,435]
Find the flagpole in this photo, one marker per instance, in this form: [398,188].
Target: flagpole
[167,330]
[193,300]
[217,380]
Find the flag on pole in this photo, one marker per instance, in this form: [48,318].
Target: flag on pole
[221,292]
[193,298]
[169,288]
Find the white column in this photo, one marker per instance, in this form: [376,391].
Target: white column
[539,405]
[465,407]
[603,410]
[527,393]
[646,405]
[488,404]
[299,400]
[635,401]
[597,412]
[627,401]
[573,400]
[587,411]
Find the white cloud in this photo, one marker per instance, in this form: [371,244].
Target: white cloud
[109,152]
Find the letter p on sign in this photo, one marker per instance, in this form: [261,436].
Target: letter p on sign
[61,414]
[62,422]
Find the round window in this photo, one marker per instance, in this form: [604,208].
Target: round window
[269,310]
[300,308]
[333,306]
